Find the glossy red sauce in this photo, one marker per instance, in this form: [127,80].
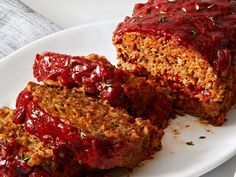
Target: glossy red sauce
[66,139]
[99,77]
[22,101]
[208,27]
[102,80]
[13,163]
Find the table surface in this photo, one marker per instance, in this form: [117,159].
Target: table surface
[19,25]
[88,11]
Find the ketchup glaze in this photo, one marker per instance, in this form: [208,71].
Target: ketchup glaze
[66,139]
[98,77]
[207,27]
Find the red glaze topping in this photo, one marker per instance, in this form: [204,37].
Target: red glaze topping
[68,140]
[99,77]
[39,173]
[13,162]
[208,27]
[22,101]
[103,80]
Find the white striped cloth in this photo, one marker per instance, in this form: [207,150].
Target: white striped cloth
[20,25]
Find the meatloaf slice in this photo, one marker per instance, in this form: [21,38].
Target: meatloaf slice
[188,49]
[25,155]
[86,128]
[96,76]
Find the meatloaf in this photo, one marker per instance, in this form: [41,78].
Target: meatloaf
[85,128]
[25,155]
[96,76]
[187,48]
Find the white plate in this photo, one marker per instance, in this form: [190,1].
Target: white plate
[68,13]
[176,159]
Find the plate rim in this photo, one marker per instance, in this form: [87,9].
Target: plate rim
[54,34]
[14,54]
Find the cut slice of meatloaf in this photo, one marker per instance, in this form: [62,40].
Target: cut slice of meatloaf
[25,155]
[86,128]
[96,76]
[188,49]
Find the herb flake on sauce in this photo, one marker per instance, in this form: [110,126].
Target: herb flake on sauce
[163,19]
[202,137]
[190,143]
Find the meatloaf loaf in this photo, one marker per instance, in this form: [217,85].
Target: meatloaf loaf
[187,48]
[25,155]
[85,128]
[96,76]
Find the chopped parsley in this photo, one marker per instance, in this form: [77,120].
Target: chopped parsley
[202,137]
[133,20]
[190,143]
[163,19]
[71,63]
[24,158]
[108,85]
[194,33]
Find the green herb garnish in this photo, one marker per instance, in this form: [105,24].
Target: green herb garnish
[71,63]
[202,137]
[194,33]
[24,158]
[163,19]
[133,20]
[108,85]
[190,143]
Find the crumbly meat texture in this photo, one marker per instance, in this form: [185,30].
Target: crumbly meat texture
[187,48]
[96,76]
[38,152]
[29,156]
[130,139]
